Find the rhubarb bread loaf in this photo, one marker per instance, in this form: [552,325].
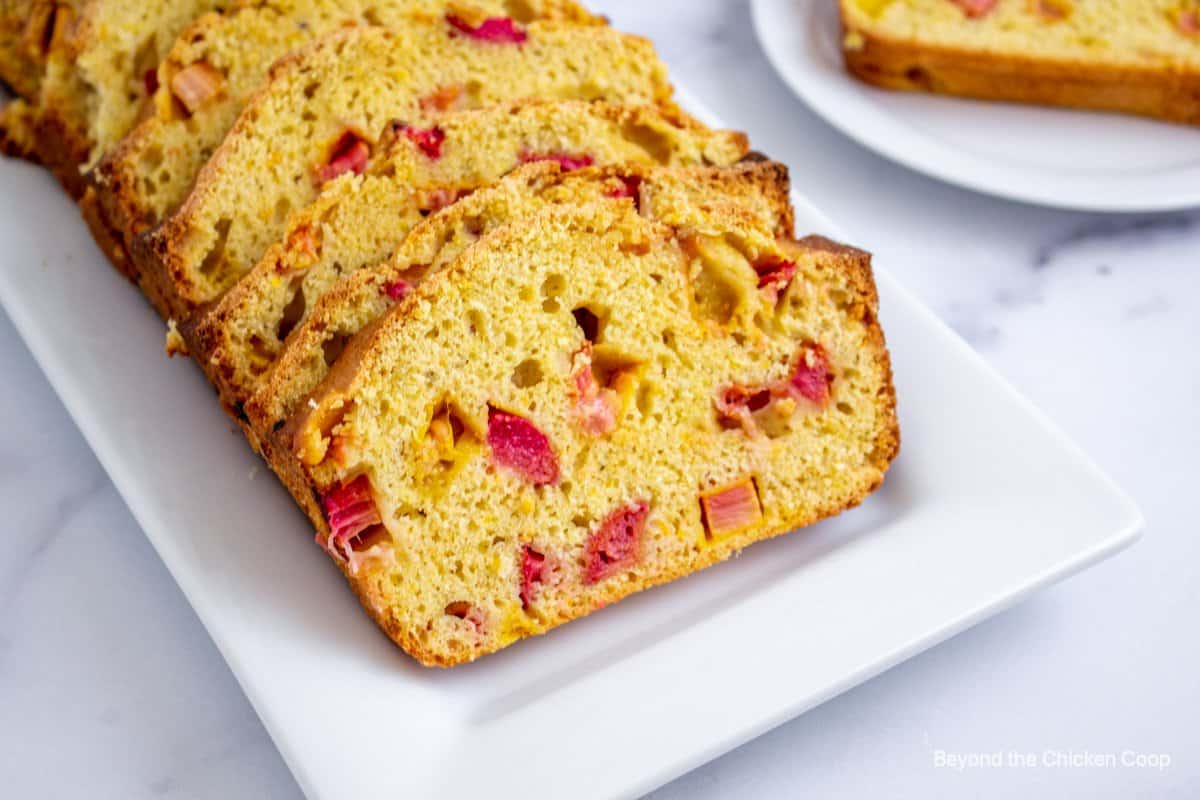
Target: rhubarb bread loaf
[220,60]
[1140,57]
[98,73]
[323,109]
[586,404]
[680,197]
[359,220]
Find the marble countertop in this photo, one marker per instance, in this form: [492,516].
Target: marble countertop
[109,686]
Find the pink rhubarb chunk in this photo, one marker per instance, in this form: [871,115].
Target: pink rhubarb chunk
[596,408]
[493,29]
[533,565]
[428,140]
[350,510]
[774,277]
[350,154]
[398,289]
[519,446]
[568,161]
[614,546]
[1188,22]
[731,508]
[976,8]
[812,376]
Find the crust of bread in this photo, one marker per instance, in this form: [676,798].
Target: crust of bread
[893,63]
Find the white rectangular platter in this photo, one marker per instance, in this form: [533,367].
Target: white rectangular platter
[986,504]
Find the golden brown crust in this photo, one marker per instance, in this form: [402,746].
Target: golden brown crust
[892,63]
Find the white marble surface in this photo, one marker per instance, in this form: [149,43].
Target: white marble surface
[109,687]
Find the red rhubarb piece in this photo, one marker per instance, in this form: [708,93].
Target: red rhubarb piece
[519,446]
[1188,22]
[731,508]
[350,154]
[195,85]
[774,275]
[533,564]
[350,510]
[812,375]
[468,612]
[567,161]
[596,408]
[150,80]
[428,140]
[493,29]
[398,289]
[614,546]
[976,8]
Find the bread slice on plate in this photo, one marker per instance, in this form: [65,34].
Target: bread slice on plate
[325,107]
[1135,57]
[98,73]
[359,220]
[219,62]
[585,404]
[677,196]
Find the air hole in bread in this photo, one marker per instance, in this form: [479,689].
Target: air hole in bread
[528,374]
[293,312]
[589,322]
[657,144]
[214,262]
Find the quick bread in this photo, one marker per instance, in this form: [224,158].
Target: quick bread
[216,66]
[324,108]
[359,220]
[587,404]
[1139,57]
[682,197]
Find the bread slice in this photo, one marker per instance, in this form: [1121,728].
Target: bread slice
[323,110]
[219,62]
[1135,57]
[98,75]
[676,196]
[359,220]
[573,411]
[670,195]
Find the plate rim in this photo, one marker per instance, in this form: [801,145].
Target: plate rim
[894,146]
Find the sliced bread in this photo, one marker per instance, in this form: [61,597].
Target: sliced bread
[359,220]
[220,61]
[554,422]
[680,197]
[1140,57]
[323,109]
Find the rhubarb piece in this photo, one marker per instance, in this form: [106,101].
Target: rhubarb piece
[398,289]
[813,376]
[976,8]
[494,29]
[596,408]
[567,161]
[432,200]
[195,85]
[615,545]
[350,510]
[731,508]
[150,80]
[428,140]
[470,613]
[630,187]
[774,275]
[1188,22]
[349,154]
[441,99]
[517,445]
[533,567]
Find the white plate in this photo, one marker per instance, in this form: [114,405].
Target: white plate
[1055,157]
[987,503]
